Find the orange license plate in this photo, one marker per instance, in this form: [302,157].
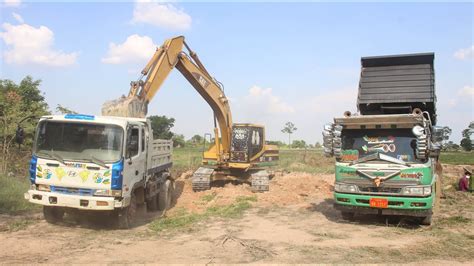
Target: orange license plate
[378,203]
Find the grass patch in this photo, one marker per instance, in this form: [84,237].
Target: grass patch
[235,210]
[175,222]
[11,196]
[19,225]
[252,198]
[209,197]
[184,220]
[310,161]
[457,157]
[452,221]
[185,159]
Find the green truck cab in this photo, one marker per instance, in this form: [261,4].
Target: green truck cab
[386,156]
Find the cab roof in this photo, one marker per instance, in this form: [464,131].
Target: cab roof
[123,121]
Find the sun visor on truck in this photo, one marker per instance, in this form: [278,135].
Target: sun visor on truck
[397,84]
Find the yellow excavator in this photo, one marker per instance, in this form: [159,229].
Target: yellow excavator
[239,152]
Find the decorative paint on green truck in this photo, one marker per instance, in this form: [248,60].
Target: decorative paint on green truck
[385,164]
[355,190]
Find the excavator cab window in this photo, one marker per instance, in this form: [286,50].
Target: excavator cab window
[247,141]
[256,141]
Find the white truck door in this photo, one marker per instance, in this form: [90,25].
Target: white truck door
[135,162]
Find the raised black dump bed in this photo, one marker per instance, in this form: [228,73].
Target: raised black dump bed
[397,84]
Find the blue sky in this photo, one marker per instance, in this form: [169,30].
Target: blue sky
[279,62]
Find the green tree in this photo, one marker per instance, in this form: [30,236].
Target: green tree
[197,139]
[276,142]
[178,140]
[298,144]
[289,129]
[161,126]
[18,102]
[466,142]
[64,110]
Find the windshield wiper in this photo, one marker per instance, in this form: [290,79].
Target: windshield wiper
[98,162]
[44,154]
[57,157]
[367,158]
[52,155]
[379,156]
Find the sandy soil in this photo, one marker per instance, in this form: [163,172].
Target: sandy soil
[293,223]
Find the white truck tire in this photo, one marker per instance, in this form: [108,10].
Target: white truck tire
[166,195]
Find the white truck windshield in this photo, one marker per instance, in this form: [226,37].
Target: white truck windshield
[396,143]
[98,143]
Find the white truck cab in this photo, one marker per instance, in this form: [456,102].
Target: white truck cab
[99,163]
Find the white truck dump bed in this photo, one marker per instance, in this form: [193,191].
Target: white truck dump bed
[159,157]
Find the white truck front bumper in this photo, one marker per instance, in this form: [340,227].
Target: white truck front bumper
[73,201]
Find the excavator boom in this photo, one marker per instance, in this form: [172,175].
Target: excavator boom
[166,57]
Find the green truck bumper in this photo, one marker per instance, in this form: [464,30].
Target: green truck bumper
[410,206]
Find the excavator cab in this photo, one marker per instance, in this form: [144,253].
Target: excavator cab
[247,141]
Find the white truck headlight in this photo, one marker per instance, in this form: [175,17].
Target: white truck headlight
[107,192]
[417,191]
[101,192]
[340,187]
[42,187]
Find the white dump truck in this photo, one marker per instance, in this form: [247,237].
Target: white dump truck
[99,163]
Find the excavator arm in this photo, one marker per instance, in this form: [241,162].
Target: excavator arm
[167,57]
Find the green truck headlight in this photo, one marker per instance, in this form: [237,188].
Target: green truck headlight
[341,187]
[417,191]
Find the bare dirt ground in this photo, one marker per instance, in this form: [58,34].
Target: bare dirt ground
[293,223]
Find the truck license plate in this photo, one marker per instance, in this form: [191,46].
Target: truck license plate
[378,203]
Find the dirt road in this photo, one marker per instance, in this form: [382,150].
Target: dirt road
[294,223]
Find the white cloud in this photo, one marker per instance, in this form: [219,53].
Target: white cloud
[464,54]
[466,91]
[18,18]
[135,49]
[460,96]
[29,45]
[266,102]
[163,15]
[12,3]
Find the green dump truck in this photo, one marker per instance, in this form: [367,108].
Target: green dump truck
[387,153]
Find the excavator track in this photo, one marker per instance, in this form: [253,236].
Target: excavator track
[202,179]
[260,181]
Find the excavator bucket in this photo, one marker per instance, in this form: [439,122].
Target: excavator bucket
[125,107]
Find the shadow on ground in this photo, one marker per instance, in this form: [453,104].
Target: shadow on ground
[326,208]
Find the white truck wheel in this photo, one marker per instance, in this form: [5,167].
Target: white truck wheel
[165,195]
[152,203]
[126,216]
[52,214]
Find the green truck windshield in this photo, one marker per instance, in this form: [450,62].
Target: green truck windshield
[79,141]
[397,143]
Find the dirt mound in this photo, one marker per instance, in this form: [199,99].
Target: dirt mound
[285,190]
